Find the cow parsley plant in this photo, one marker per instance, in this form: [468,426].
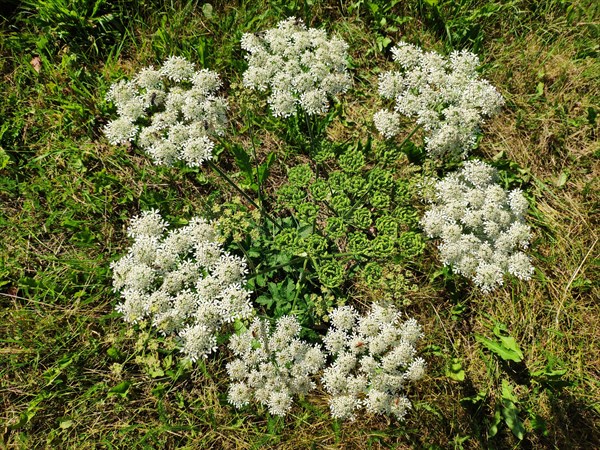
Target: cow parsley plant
[272,367]
[182,281]
[446,96]
[299,66]
[481,226]
[172,112]
[374,361]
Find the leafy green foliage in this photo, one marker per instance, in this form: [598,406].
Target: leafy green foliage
[505,347]
[66,198]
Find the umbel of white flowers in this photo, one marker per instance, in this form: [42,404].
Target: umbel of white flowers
[481,226]
[172,112]
[182,281]
[374,360]
[299,66]
[445,96]
[272,367]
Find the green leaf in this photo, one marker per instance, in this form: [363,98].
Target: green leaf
[474,399]
[120,389]
[454,370]
[507,349]
[511,416]
[242,159]
[510,412]
[496,420]
[263,169]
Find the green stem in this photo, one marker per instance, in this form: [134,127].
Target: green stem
[280,266]
[246,196]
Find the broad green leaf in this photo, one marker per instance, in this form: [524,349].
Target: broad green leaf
[511,344]
[120,389]
[507,354]
[454,370]
[493,430]
[511,416]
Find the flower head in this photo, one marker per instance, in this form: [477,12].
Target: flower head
[173,113]
[374,359]
[445,96]
[481,226]
[300,67]
[183,281]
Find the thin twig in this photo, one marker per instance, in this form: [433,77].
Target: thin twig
[568,286]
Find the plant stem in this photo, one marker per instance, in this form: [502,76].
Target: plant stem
[246,196]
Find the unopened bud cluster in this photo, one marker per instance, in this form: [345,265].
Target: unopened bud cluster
[173,112]
[300,67]
[481,226]
[445,96]
[182,281]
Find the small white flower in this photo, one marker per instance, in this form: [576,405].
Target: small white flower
[172,113]
[445,96]
[481,226]
[299,66]
[374,359]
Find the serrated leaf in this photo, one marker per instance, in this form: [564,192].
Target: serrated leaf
[499,349]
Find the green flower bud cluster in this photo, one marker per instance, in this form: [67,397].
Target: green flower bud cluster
[359,244]
[290,196]
[235,222]
[335,227]
[411,244]
[320,190]
[387,226]
[289,239]
[407,216]
[387,151]
[389,283]
[352,160]
[300,175]
[337,181]
[372,273]
[331,273]
[382,247]
[341,204]
[315,245]
[361,218]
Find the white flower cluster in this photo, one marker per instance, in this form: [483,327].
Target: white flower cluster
[481,226]
[172,112]
[300,66]
[374,360]
[182,280]
[445,95]
[272,367]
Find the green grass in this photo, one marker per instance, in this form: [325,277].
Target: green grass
[72,375]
